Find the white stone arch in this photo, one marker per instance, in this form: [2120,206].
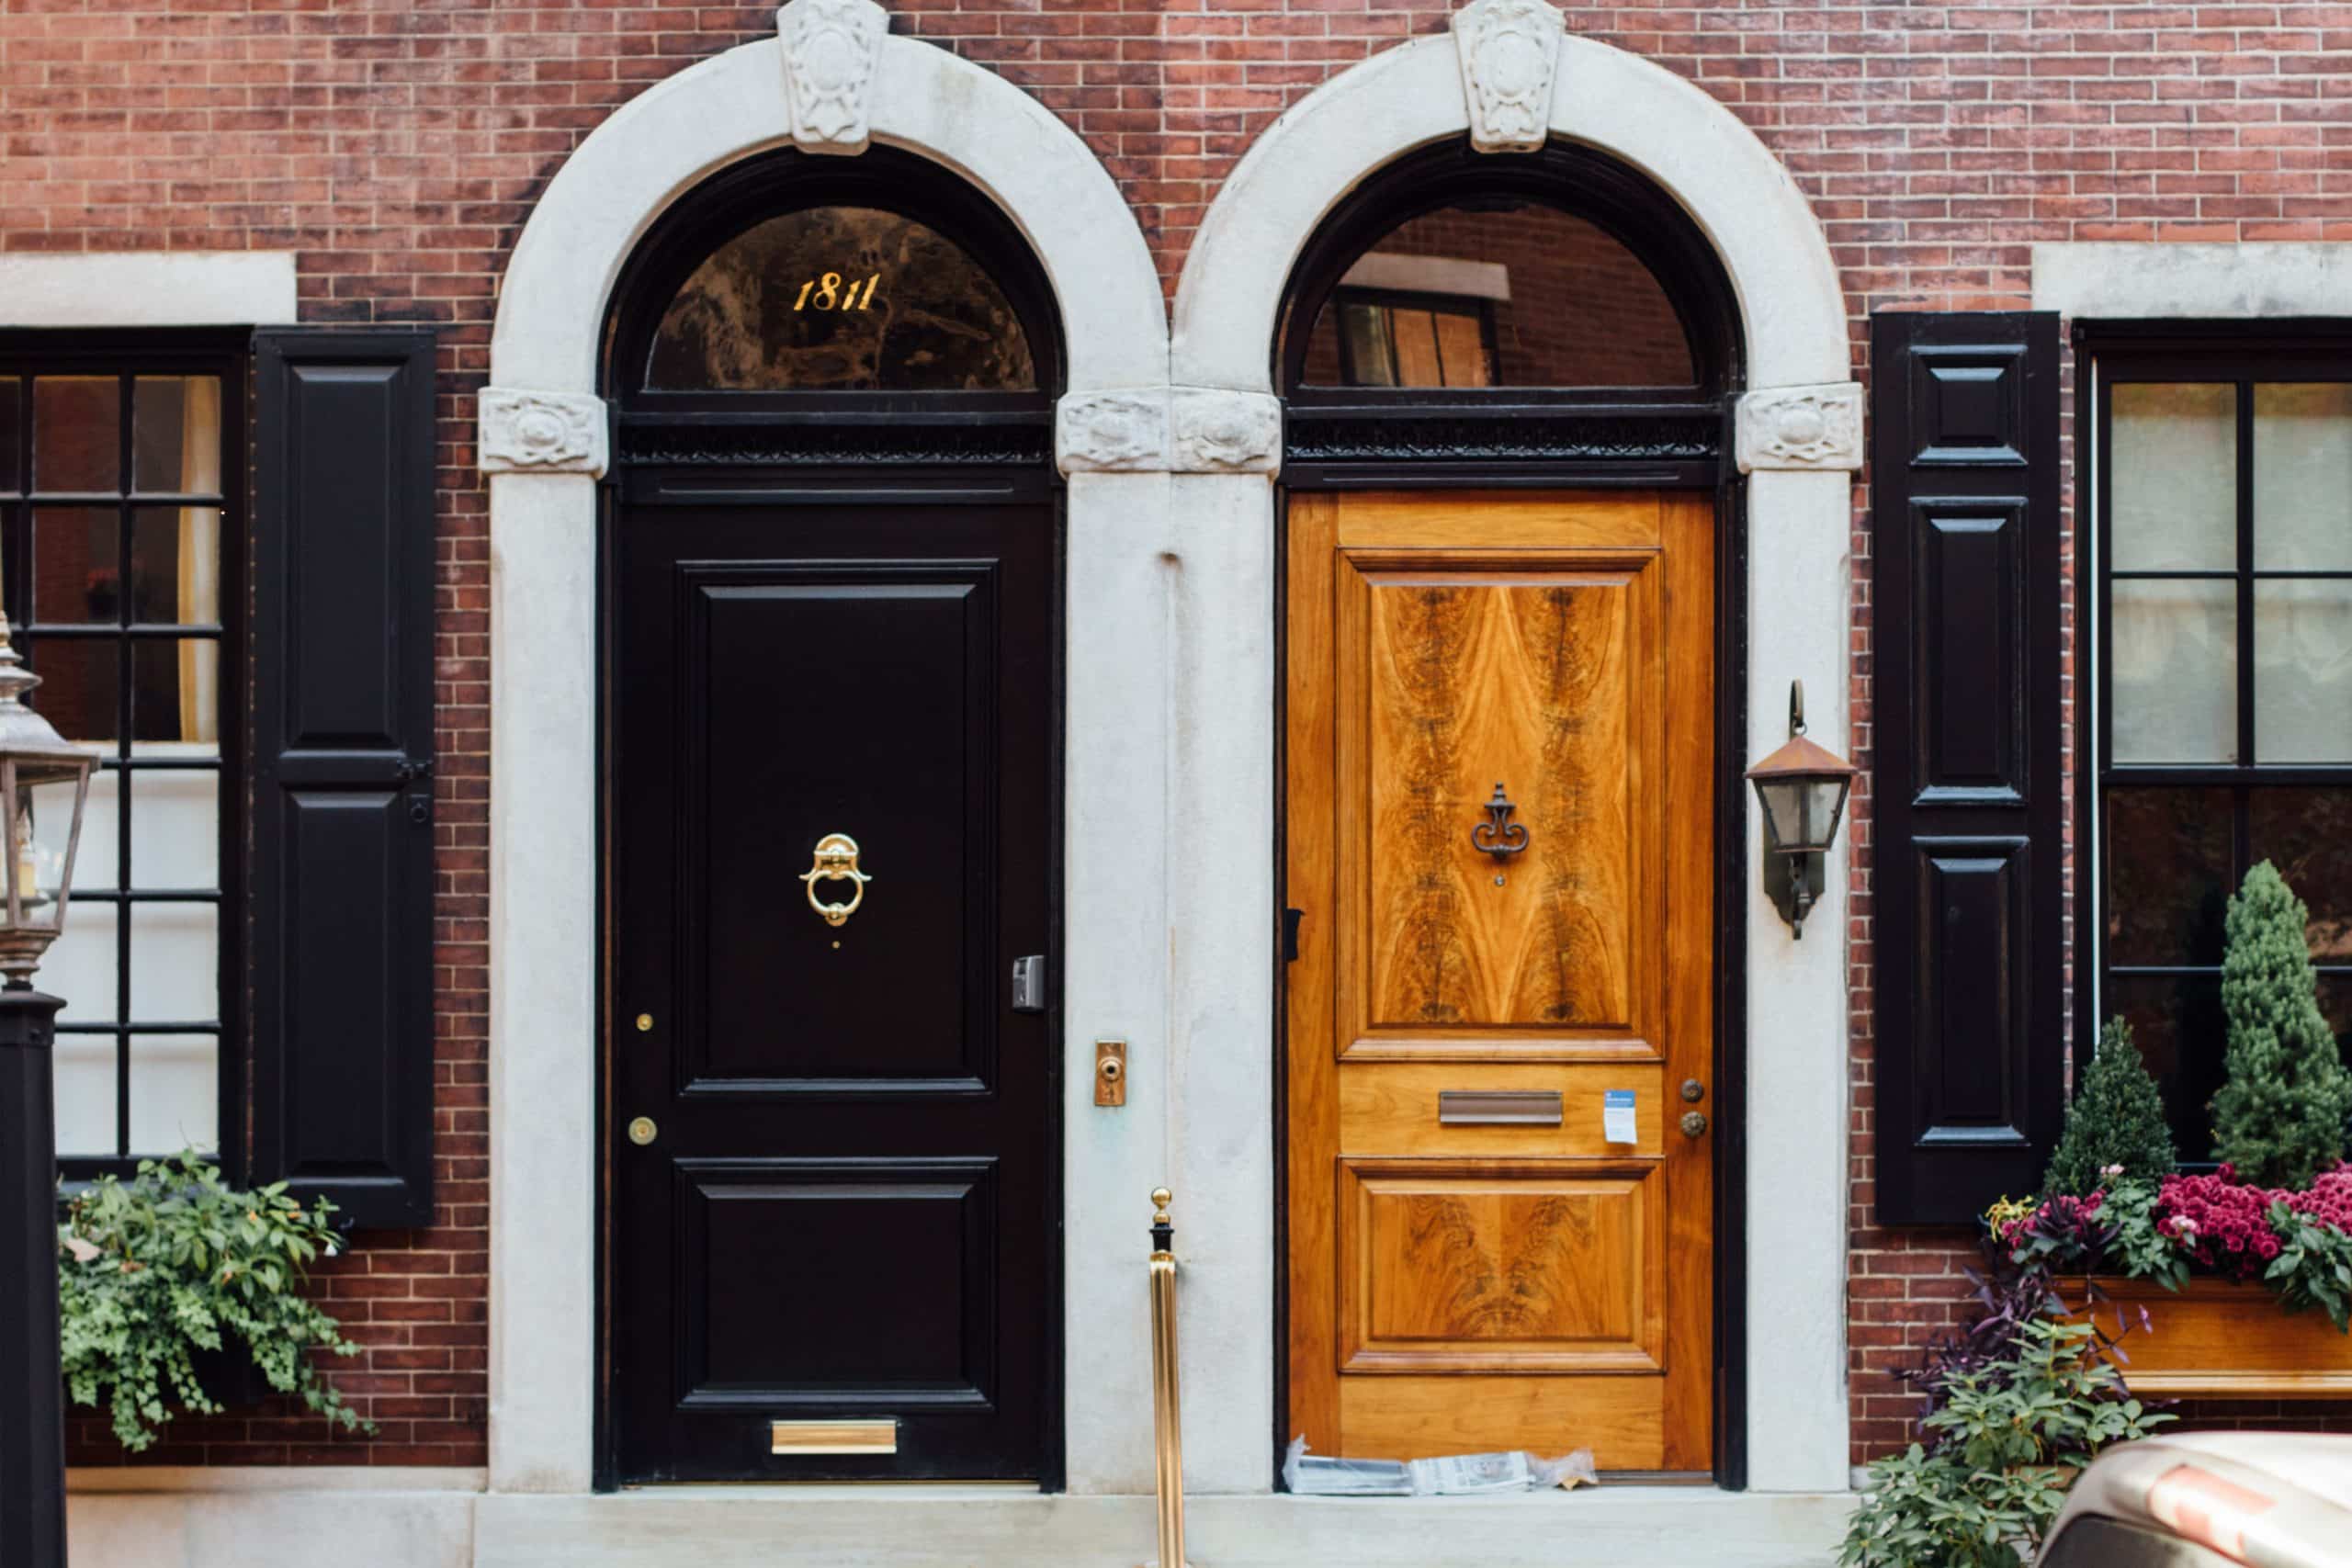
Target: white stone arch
[832,80]
[1507,78]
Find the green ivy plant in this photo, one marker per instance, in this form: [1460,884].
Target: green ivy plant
[2004,1444]
[154,1269]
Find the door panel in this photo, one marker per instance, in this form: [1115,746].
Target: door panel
[839,1213]
[1480,1256]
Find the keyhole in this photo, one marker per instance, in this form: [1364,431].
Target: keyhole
[1499,882]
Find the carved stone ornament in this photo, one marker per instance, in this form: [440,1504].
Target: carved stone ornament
[1801,427]
[1192,430]
[1509,50]
[1112,433]
[1220,432]
[540,433]
[831,51]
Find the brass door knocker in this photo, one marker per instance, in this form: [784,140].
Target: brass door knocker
[836,862]
[1499,835]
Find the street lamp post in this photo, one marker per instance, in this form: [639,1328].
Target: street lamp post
[44,784]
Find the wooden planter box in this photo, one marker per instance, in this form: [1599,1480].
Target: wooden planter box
[2216,1339]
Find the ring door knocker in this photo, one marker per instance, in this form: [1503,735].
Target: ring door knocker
[836,860]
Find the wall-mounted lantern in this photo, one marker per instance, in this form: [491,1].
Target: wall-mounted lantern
[1803,789]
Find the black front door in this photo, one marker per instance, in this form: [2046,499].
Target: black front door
[831,1255]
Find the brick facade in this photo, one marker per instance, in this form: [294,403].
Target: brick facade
[397,146]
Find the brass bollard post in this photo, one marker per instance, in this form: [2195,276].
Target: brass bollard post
[1168,1430]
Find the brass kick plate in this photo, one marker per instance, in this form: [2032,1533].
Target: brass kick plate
[833,1437]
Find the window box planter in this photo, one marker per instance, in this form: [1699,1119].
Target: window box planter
[2220,1339]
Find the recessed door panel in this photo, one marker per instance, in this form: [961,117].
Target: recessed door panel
[831,833]
[1500,1033]
[1502,693]
[889,741]
[1484,1265]
[885,1295]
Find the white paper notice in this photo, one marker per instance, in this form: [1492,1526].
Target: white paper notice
[1617,1116]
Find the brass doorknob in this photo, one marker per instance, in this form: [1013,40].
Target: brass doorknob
[642,1131]
[1694,1122]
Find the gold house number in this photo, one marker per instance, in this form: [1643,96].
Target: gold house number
[826,293]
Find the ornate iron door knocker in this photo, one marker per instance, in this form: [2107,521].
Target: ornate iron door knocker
[836,862]
[1499,835]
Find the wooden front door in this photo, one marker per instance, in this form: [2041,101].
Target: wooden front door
[831,1137]
[1499,1227]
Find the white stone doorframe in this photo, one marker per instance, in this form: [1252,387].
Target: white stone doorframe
[1169,767]
[1508,78]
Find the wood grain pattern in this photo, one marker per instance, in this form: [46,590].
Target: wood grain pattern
[1492,1266]
[1526,681]
[1311,1091]
[1476,1287]
[1619,1418]
[2216,1339]
[1391,1108]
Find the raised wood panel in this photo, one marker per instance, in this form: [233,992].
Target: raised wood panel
[1392,1109]
[1620,1418]
[1458,672]
[1488,1266]
[1527,679]
[1975,951]
[1495,520]
[1969,623]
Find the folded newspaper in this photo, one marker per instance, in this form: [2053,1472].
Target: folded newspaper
[1454,1476]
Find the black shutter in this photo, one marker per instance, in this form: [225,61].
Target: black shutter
[1969,854]
[340,835]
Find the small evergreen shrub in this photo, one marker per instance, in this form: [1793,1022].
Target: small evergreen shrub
[2278,1117]
[2115,1124]
[152,1270]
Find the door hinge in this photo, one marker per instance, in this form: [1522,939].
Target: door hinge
[1289,934]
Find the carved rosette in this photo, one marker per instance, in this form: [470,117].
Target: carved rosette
[1509,50]
[1224,433]
[1802,428]
[540,433]
[831,51]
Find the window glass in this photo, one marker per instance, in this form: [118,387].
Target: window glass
[2193,573]
[839,299]
[1497,293]
[116,596]
[2302,476]
[2173,466]
[2174,680]
[2302,670]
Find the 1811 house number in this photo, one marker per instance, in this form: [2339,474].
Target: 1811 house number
[826,293]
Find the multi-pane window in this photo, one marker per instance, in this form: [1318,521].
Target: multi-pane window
[118,517]
[2223,723]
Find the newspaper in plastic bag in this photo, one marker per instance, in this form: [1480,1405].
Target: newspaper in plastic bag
[1455,1475]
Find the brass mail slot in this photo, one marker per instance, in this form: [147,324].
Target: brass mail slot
[1498,1107]
[833,1437]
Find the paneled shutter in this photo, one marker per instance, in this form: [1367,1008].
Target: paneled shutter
[1969,854]
[340,832]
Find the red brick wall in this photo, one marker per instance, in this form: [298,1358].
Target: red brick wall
[397,146]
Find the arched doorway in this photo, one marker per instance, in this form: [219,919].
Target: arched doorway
[832,707]
[1506,521]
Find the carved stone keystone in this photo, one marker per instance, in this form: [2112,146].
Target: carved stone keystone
[831,51]
[1510,51]
[1188,430]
